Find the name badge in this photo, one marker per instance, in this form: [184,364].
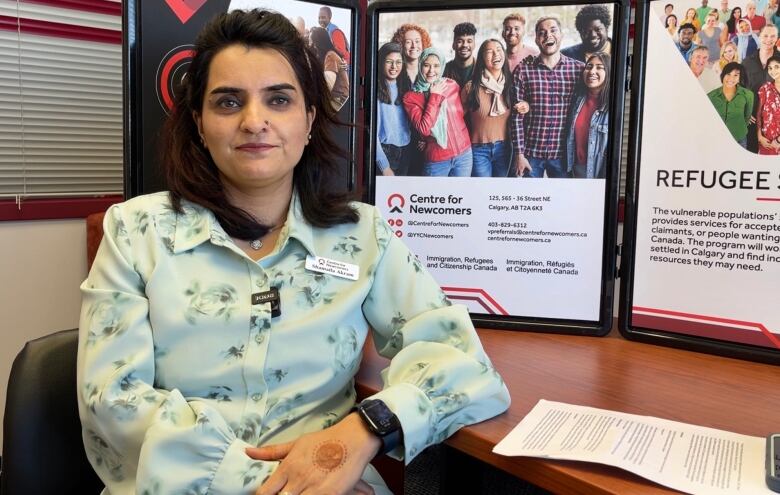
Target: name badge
[333,267]
[269,296]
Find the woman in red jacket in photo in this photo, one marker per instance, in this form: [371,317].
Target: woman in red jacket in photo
[435,111]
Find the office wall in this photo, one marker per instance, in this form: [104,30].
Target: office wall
[42,265]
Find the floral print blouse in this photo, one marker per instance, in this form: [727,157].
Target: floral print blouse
[769,103]
[178,372]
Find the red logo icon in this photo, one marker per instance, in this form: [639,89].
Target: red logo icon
[184,9]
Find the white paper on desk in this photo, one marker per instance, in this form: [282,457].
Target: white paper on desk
[689,458]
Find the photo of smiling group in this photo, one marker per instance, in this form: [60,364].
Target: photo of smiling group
[494,93]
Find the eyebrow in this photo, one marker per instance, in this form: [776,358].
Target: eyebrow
[232,90]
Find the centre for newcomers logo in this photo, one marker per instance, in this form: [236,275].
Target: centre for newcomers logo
[396,203]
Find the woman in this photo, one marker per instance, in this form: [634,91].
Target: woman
[732,24]
[585,147]
[671,26]
[435,111]
[728,54]
[709,36]
[768,114]
[692,18]
[334,66]
[205,333]
[487,100]
[392,125]
[413,39]
[733,102]
[746,41]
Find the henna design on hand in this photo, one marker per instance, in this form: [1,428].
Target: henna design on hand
[330,455]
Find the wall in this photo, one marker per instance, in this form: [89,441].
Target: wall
[42,264]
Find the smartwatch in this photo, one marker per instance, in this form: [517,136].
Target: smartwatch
[381,421]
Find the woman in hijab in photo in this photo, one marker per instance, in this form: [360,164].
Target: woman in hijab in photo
[435,111]
[585,147]
[335,67]
[745,39]
[392,124]
[487,98]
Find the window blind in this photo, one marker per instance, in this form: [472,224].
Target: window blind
[60,101]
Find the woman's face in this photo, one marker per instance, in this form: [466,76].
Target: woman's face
[671,22]
[737,13]
[731,79]
[412,44]
[393,66]
[711,21]
[493,57]
[689,14]
[594,75]
[254,121]
[773,68]
[729,53]
[431,68]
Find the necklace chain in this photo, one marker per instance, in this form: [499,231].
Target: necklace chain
[257,244]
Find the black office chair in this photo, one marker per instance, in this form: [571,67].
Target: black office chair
[42,447]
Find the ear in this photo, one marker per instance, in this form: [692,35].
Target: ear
[311,114]
[198,122]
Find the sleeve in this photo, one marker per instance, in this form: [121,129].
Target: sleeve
[518,135]
[423,114]
[439,378]
[381,158]
[340,91]
[749,101]
[138,438]
[339,40]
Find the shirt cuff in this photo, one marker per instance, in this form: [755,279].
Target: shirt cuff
[415,413]
[238,473]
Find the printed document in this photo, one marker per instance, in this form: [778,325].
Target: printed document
[689,458]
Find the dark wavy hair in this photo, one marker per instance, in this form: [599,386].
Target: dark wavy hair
[190,171]
[731,23]
[321,42]
[382,91]
[472,100]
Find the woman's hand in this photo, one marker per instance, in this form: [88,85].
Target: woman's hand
[437,88]
[522,107]
[388,172]
[328,461]
[752,120]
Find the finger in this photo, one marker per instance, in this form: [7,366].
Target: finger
[273,484]
[270,452]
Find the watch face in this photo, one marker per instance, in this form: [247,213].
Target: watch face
[380,417]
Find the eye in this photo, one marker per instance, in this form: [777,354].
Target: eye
[228,102]
[280,100]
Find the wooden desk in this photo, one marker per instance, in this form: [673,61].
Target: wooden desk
[609,373]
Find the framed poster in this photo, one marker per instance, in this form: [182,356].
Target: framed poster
[702,230]
[158,44]
[493,151]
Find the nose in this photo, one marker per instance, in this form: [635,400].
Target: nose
[253,118]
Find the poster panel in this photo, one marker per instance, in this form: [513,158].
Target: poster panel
[159,48]
[494,149]
[703,223]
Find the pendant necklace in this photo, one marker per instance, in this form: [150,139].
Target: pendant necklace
[257,244]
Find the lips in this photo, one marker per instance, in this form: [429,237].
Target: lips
[255,147]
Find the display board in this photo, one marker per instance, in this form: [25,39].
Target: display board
[457,91]
[701,267]
[159,36]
